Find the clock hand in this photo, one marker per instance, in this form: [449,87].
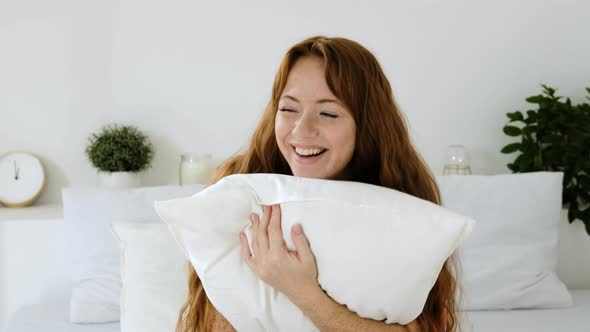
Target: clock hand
[16,170]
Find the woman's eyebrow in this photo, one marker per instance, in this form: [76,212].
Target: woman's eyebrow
[321,101]
[324,101]
[289,97]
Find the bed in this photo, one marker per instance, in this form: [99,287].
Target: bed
[571,319]
[26,307]
[53,317]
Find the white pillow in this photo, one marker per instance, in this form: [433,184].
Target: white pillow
[379,251]
[510,260]
[154,275]
[94,252]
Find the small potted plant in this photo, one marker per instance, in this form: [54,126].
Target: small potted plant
[555,137]
[119,153]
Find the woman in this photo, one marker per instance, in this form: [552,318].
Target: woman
[332,115]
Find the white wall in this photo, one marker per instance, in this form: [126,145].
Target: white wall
[196,75]
[54,83]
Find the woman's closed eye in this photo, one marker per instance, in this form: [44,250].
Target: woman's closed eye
[290,110]
[330,115]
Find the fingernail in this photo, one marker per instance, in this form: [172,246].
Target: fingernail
[297,229]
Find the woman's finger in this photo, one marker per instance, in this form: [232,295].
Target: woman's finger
[255,226]
[301,243]
[275,232]
[246,254]
[262,232]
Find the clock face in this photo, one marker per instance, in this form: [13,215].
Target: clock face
[22,178]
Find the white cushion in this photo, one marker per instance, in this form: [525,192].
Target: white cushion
[94,252]
[379,251]
[154,275]
[510,260]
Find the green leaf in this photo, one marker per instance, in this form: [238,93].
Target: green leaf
[524,162]
[553,139]
[535,99]
[531,117]
[529,129]
[515,116]
[553,156]
[548,90]
[512,131]
[571,213]
[538,162]
[511,148]
[567,178]
[584,180]
[584,216]
[513,167]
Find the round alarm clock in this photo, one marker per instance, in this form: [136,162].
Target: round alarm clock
[22,178]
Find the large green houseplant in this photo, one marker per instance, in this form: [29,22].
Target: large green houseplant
[555,137]
[119,153]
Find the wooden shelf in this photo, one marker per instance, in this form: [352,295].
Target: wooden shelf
[33,212]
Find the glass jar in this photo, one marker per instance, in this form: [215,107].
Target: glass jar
[195,169]
[457,161]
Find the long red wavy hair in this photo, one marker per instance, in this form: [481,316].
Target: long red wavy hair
[384,155]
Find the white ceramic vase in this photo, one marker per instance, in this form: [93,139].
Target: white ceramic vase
[120,180]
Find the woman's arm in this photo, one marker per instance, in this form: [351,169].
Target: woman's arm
[295,275]
[328,315]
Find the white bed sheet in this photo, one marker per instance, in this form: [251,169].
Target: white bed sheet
[572,319]
[51,317]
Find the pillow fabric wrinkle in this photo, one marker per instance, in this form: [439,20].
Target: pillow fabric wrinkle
[389,245]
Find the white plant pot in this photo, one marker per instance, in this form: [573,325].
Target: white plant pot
[120,180]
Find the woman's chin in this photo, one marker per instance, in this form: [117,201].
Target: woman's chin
[310,174]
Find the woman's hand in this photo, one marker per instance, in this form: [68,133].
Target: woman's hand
[293,273]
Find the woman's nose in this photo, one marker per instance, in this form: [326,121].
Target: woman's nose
[306,126]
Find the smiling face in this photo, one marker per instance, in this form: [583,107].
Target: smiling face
[314,130]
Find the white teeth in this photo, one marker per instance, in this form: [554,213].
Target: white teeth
[308,152]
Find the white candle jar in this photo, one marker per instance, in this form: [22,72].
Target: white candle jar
[457,161]
[195,169]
